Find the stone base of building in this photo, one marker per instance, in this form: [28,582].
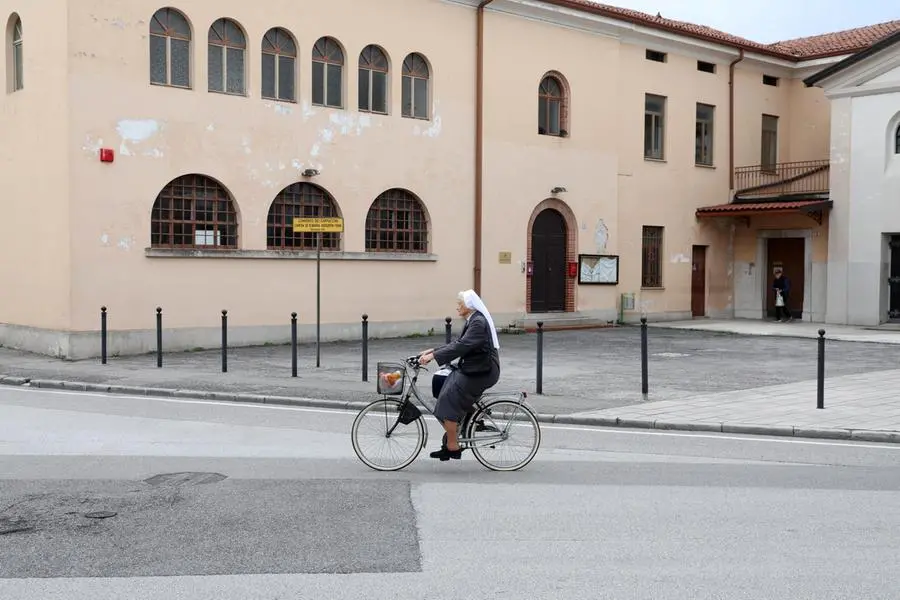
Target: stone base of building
[78,345]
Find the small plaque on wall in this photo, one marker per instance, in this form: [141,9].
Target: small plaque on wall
[506,258]
[598,269]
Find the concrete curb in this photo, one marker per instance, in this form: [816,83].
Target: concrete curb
[859,435]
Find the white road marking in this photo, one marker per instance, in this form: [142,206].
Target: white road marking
[349,413]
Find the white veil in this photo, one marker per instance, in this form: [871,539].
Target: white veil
[474,302]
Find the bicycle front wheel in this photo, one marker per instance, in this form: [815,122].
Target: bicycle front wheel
[505,435]
[381,441]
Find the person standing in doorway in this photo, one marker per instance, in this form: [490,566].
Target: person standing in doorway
[782,288]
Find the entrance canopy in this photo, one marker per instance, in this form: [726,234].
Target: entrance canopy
[812,208]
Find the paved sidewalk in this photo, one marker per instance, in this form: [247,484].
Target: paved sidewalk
[865,407]
[886,334]
[760,382]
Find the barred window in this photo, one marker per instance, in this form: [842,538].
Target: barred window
[227,53]
[194,211]
[300,200]
[170,49]
[279,58]
[397,223]
[651,257]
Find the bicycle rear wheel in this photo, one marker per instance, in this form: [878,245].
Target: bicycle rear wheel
[381,441]
[509,437]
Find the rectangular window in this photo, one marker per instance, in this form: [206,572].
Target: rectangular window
[769,155]
[656,56]
[703,136]
[651,257]
[770,80]
[654,126]
[706,67]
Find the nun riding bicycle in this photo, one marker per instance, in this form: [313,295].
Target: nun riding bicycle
[500,429]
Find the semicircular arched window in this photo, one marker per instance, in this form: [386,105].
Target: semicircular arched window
[170,49]
[194,211]
[300,200]
[227,58]
[373,80]
[552,107]
[279,65]
[416,79]
[328,73]
[397,222]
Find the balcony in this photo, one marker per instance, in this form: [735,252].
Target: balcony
[806,179]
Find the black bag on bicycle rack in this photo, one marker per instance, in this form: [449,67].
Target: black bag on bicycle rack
[409,413]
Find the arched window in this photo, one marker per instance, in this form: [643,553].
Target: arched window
[300,200]
[279,65]
[328,73]
[194,211]
[17,77]
[552,109]
[415,86]
[397,223]
[170,49]
[227,53]
[373,80]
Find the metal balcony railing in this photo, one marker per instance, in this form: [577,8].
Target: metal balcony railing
[782,179]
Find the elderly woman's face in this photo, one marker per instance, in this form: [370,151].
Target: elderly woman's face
[461,309]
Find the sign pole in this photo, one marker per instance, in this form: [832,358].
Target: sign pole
[318,225]
[318,298]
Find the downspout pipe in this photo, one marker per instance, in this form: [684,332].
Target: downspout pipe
[479,144]
[731,121]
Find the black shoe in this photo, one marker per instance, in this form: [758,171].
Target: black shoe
[445,454]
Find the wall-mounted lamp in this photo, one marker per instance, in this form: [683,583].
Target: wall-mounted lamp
[310,172]
[558,190]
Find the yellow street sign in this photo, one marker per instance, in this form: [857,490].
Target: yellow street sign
[318,225]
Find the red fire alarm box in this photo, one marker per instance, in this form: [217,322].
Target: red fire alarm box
[107,155]
[572,269]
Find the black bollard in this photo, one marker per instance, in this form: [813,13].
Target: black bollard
[103,335]
[365,347]
[820,391]
[644,383]
[539,384]
[293,344]
[159,337]
[448,329]
[224,341]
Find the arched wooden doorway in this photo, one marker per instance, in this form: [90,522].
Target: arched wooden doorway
[549,234]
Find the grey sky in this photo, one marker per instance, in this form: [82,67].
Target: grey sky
[769,21]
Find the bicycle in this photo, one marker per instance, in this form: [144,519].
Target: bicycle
[394,421]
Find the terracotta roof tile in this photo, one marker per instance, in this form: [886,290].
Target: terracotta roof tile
[840,42]
[817,46]
[744,207]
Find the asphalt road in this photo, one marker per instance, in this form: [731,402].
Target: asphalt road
[285,510]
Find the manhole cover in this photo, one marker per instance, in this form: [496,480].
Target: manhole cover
[187,478]
[14,526]
[100,514]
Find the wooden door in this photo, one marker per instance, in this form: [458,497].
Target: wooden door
[698,281]
[790,255]
[548,255]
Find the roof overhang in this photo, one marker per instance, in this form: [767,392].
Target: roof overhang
[839,67]
[812,208]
